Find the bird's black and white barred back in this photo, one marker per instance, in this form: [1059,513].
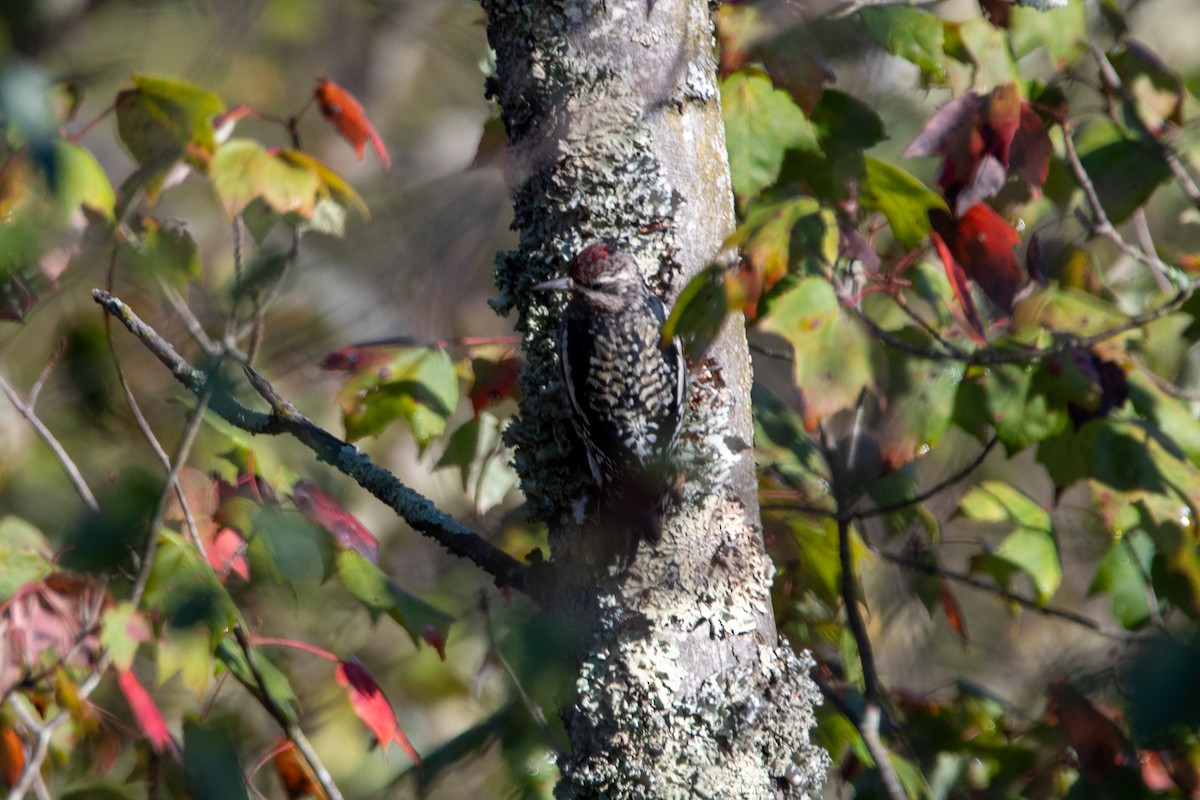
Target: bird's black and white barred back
[627,388]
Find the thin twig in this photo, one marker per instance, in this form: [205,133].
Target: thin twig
[60,453]
[186,440]
[35,390]
[290,727]
[1023,355]
[1030,603]
[533,708]
[45,731]
[840,471]
[411,506]
[937,488]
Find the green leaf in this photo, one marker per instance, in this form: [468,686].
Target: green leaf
[903,199]
[276,685]
[243,170]
[1007,398]
[122,629]
[1177,427]
[418,385]
[81,181]
[478,452]
[1030,548]
[25,553]
[162,249]
[911,34]
[1121,574]
[159,121]
[333,186]
[700,311]
[1124,172]
[987,49]
[920,396]
[831,353]
[1062,31]
[382,596]
[761,124]
[793,234]
[185,590]
[211,764]
[189,654]
[781,443]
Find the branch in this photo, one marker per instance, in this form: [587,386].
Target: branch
[415,509]
[290,727]
[854,619]
[60,453]
[1030,603]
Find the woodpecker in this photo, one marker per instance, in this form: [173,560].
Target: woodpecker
[626,386]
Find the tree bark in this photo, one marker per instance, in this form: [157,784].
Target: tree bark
[615,134]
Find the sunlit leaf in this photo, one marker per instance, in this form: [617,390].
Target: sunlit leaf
[82,181]
[903,199]
[243,170]
[1062,31]
[162,121]
[417,385]
[1030,548]
[122,629]
[831,353]
[761,124]
[911,34]
[25,553]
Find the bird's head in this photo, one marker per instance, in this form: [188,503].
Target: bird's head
[598,268]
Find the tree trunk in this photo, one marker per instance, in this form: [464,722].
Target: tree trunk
[615,134]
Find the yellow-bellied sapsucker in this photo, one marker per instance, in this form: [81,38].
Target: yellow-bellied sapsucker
[626,387]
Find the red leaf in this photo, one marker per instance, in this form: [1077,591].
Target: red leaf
[372,707]
[347,115]
[958,282]
[436,639]
[12,757]
[1096,739]
[954,614]
[358,358]
[149,719]
[55,616]
[494,381]
[226,552]
[973,135]
[346,530]
[1029,156]
[982,243]
[295,774]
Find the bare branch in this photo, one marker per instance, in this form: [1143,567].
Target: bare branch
[977,582]
[937,488]
[60,453]
[412,507]
[839,470]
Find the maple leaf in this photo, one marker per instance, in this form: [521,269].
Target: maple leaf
[346,114]
[372,706]
[344,527]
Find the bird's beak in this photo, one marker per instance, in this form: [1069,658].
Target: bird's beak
[556,285]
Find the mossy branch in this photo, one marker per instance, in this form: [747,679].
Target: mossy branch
[414,508]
